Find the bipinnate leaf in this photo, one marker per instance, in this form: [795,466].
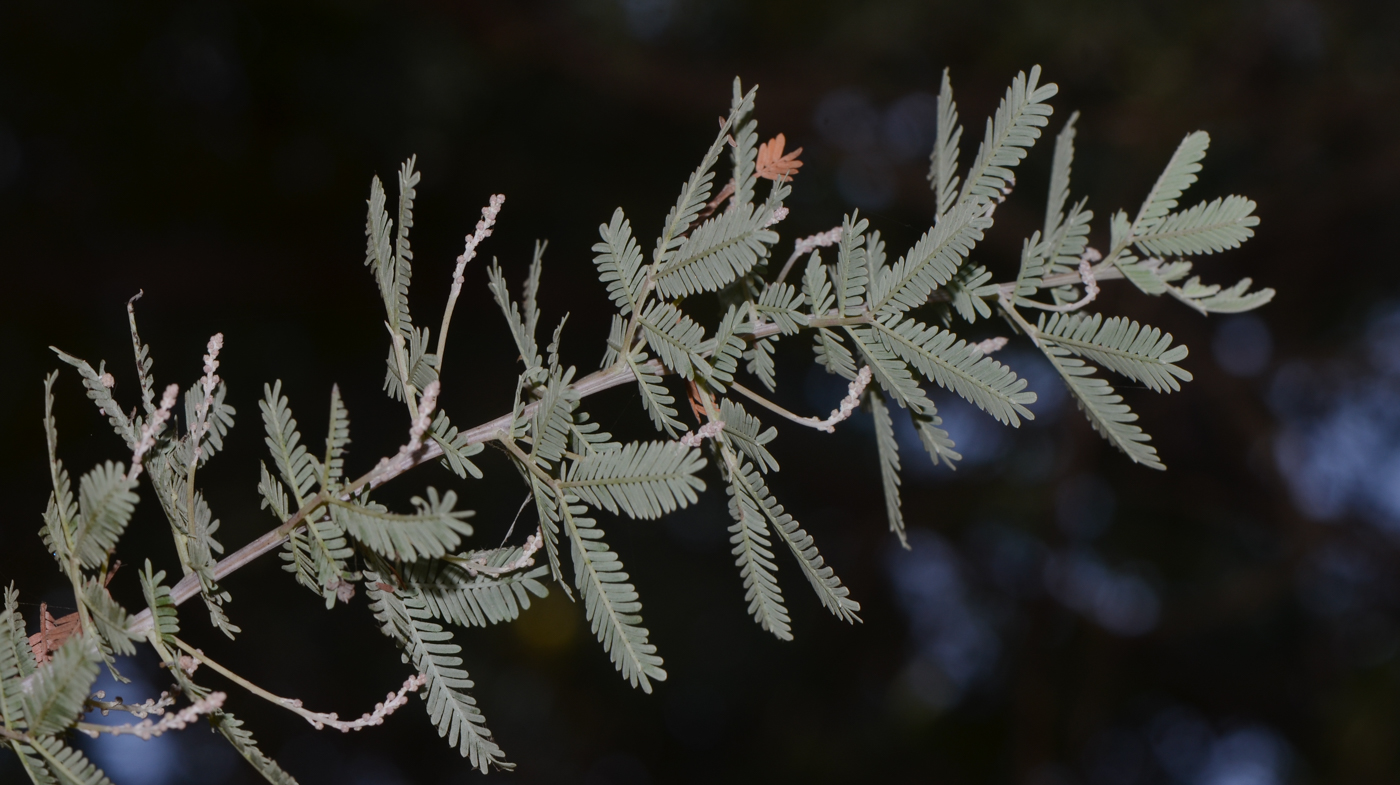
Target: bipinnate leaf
[106,501]
[433,529]
[944,358]
[1103,406]
[619,262]
[231,728]
[66,765]
[403,616]
[109,617]
[53,700]
[294,462]
[611,603]
[888,449]
[452,593]
[1140,352]
[644,479]
[163,611]
[753,554]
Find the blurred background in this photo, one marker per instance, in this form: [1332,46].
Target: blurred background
[1064,616]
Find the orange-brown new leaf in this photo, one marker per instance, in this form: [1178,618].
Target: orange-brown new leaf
[772,164]
[52,633]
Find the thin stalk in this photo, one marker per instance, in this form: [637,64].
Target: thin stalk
[290,704]
[810,422]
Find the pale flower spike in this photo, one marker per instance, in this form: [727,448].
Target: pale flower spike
[483,231]
[709,430]
[990,345]
[147,729]
[822,240]
[526,559]
[426,406]
[151,429]
[392,702]
[849,403]
[778,215]
[207,383]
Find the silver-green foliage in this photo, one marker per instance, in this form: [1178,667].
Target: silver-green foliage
[868,319]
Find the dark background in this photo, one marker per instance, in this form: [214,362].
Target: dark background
[1064,617]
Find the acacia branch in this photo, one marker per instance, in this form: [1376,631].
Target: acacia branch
[591,384]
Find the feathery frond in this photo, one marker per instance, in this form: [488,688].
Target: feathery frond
[588,438]
[403,616]
[889,370]
[943,162]
[780,303]
[743,153]
[455,447]
[1013,130]
[530,302]
[610,602]
[67,765]
[726,348]
[1060,167]
[524,339]
[552,424]
[550,517]
[968,291]
[816,287]
[109,617]
[828,587]
[1206,228]
[852,273]
[1213,299]
[696,190]
[433,529]
[337,437]
[655,399]
[62,512]
[955,365]
[1103,406]
[743,430]
[163,611]
[399,315]
[888,449]
[16,661]
[200,548]
[932,261]
[53,699]
[759,362]
[1140,352]
[101,395]
[451,593]
[291,457]
[106,501]
[936,441]
[675,339]
[421,364]
[231,728]
[644,479]
[619,262]
[144,361]
[722,249]
[753,554]
[1178,175]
